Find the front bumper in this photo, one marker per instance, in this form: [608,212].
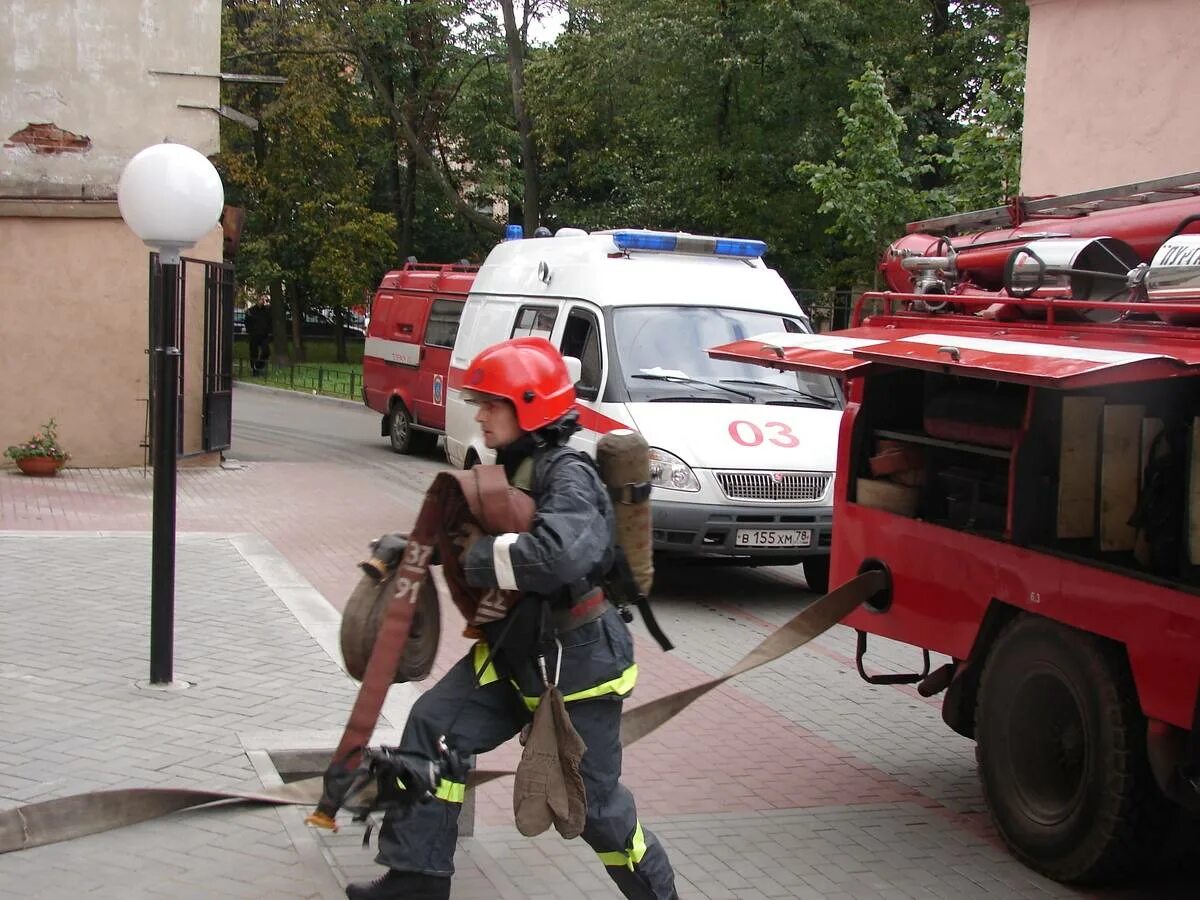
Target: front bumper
[701,529]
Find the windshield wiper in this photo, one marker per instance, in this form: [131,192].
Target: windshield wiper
[687,379]
[816,398]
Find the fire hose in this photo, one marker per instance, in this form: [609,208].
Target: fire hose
[62,819]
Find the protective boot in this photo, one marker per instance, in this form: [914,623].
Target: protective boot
[395,885]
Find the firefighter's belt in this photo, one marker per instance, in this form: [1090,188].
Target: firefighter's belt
[69,817]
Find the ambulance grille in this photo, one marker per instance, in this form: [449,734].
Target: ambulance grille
[784,486]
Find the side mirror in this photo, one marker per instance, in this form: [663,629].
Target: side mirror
[574,368]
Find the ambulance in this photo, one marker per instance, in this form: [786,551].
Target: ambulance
[742,458]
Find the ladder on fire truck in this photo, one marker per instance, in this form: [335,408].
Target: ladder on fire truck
[1068,206]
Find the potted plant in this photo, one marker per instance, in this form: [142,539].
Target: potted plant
[41,455]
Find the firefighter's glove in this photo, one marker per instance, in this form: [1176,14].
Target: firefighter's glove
[464,540]
[418,774]
[386,551]
[549,787]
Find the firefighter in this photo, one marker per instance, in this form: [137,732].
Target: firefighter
[525,400]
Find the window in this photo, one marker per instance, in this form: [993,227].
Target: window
[581,339]
[443,323]
[534,321]
[662,354]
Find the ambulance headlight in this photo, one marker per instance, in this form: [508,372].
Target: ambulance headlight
[671,472]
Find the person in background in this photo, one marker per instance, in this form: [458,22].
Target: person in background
[258,335]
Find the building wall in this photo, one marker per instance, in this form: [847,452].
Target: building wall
[77,101]
[76,330]
[1109,93]
[83,66]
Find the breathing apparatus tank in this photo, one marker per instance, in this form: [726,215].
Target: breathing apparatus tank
[623,458]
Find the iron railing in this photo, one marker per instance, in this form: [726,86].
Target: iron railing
[308,378]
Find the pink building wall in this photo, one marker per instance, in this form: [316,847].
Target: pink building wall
[1110,94]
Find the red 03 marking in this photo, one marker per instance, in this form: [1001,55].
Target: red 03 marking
[750,435]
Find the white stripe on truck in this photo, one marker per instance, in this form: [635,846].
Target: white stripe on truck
[401,352]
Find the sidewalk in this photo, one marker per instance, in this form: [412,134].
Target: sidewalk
[797,781]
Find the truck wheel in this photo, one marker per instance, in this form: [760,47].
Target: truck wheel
[1061,748]
[405,438]
[816,573]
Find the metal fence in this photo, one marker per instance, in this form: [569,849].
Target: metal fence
[314,379]
[828,309]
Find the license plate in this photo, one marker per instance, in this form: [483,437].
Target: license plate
[772,537]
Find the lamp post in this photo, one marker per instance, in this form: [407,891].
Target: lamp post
[170,196]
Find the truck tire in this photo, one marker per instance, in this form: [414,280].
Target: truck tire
[816,574]
[1061,748]
[404,438]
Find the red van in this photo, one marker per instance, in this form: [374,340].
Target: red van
[413,323]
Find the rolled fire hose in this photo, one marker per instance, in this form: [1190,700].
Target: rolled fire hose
[50,821]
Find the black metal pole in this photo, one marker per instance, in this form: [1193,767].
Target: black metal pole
[164,438]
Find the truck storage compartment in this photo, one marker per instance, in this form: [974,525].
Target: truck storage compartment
[939,448]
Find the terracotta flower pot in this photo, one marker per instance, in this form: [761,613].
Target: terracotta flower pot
[40,466]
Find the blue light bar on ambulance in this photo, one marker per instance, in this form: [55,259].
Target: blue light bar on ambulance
[688,243]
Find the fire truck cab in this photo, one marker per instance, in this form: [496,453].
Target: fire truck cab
[413,323]
[1020,455]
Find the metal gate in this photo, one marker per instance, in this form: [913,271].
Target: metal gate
[217,399]
[217,415]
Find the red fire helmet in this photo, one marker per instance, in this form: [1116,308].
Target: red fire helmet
[527,371]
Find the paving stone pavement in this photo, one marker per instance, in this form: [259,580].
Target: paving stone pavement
[796,781]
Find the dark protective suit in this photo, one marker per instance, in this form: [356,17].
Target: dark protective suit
[560,559]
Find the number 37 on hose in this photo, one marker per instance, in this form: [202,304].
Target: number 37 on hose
[750,435]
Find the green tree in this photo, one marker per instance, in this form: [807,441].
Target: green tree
[984,163]
[869,189]
[304,177]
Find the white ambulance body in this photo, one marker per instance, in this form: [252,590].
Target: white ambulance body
[743,458]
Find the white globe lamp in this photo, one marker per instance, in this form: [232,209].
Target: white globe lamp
[170,196]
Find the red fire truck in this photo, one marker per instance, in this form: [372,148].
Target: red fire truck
[1021,456]
[414,320]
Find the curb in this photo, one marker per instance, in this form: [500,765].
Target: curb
[267,389]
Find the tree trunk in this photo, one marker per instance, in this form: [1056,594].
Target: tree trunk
[340,319]
[514,40]
[279,352]
[408,208]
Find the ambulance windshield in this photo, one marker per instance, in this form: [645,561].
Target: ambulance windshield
[662,352]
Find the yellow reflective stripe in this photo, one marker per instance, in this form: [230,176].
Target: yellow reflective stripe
[481,655]
[621,685]
[627,858]
[453,791]
[637,848]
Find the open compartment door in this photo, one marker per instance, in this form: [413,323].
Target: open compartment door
[826,354]
[1025,360]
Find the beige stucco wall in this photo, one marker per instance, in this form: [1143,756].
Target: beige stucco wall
[1110,93]
[84,65]
[73,278]
[74,320]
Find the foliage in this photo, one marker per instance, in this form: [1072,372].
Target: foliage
[984,164]
[869,190]
[43,443]
[305,177]
[400,122]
